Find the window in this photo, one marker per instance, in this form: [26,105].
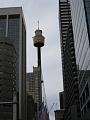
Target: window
[87,91]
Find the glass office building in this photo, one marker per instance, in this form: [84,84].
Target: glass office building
[7,79]
[80,11]
[70,80]
[12,26]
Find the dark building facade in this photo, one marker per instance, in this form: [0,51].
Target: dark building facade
[31,108]
[7,79]
[80,10]
[12,26]
[70,79]
[62,101]
[59,114]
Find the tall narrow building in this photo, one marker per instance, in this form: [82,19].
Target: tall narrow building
[34,85]
[69,68]
[12,26]
[80,11]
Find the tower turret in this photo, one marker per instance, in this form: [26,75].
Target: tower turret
[38,39]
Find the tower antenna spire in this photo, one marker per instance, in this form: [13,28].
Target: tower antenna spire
[38,24]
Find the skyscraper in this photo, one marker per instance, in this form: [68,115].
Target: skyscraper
[80,11]
[34,85]
[12,26]
[69,68]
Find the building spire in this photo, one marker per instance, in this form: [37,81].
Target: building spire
[38,24]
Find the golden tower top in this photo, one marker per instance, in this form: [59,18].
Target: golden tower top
[38,39]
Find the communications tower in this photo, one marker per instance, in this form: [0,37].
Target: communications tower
[38,41]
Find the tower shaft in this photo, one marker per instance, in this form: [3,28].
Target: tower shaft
[39,56]
[39,66]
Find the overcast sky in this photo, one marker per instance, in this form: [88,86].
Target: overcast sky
[46,11]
